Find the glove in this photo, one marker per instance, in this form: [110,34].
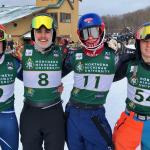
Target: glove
[114,45]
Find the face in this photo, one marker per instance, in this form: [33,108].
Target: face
[43,37]
[1,47]
[145,50]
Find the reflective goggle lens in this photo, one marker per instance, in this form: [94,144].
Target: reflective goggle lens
[144,33]
[84,34]
[93,31]
[38,21]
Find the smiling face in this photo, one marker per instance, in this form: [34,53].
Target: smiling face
[43,37]
[145,50]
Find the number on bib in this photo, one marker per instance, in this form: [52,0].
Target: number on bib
[43,79]
[97,79]
[140,96]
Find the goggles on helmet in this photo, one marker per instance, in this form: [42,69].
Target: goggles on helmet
[38,21]
[143,33]
[2,35]
[92,31]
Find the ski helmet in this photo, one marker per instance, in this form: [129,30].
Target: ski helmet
[3,36]
[43,20]
[143,33]
[91,24]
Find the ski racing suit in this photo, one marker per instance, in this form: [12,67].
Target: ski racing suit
[133,127]
[9,133]
[87,126]
[42,117]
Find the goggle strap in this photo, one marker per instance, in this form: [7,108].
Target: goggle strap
[4,35]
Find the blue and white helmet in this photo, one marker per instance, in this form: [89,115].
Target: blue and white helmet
[91,24]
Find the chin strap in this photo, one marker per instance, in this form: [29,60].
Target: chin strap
[94,52]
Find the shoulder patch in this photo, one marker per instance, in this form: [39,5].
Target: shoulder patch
[79,56]
[28,52]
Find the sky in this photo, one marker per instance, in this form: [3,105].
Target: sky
[102,7]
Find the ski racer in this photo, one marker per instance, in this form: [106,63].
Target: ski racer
[9,68]
[42,117]
[133,127]
[94,68]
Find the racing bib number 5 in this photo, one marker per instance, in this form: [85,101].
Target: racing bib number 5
[139,96]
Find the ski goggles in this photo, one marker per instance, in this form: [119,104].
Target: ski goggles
[38,21]
[92,31]
[2,35]
[143,33]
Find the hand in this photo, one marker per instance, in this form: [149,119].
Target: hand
[114,45]
[17,54]
[60,88]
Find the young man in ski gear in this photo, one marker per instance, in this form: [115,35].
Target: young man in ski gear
[9,68]
[133,127]
[42,117]
[94,68]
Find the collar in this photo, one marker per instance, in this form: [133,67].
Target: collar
[42,50]
[95,52]
[145,65]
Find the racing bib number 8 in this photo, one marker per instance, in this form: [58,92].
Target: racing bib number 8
[43,79]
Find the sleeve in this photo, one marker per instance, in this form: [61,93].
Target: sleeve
[125,50]
[19,69]
[119,47]
[68,62]
[122,65]
[121,71]
[20,74]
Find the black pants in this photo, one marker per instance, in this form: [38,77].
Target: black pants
[38,125]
